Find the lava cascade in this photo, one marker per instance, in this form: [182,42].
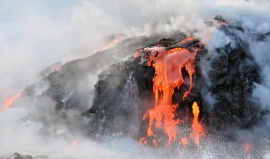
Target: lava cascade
[197,129]
[168,64]
[111,43]
[8,103]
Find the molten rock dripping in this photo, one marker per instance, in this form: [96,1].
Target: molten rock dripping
[168,66]
[10,100]
[197,129]
[184,141]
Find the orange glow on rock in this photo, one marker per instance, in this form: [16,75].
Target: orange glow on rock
[197,129]
[8,103]
[185,40]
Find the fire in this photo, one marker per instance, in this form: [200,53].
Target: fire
[10,100]
[196,126]
[168,66]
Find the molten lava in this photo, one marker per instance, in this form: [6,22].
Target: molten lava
[184,141]
[111,43]
[197,129]
[168,66]
[74,143]
[10,100]
[154,142]
[58,68]
[246,148]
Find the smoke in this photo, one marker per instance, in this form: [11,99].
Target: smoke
[35,34]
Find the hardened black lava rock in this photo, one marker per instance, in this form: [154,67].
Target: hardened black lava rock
[233,72]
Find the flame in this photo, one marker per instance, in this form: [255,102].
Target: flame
[184,141]
[74,143]
[10,100]
[197,129]
[168,66]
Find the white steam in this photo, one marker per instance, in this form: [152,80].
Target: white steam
[35,34]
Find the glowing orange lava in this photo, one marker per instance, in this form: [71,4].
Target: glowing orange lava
[154,142]
[112,43]
[168,66]
[58,68]
[246,148]
[74,143]
[185,40]
[197,129]
[10,100]
[184,141]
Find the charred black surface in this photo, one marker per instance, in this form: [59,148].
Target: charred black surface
[232,75]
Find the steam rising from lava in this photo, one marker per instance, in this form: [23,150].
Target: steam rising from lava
[168,64]
[39,40]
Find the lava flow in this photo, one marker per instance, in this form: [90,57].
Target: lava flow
[196,126]
[10,100]
[111,43]
[168,66]
[246,148]
[58,68]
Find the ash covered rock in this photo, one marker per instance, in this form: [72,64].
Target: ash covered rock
[19,156]
[61,97]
